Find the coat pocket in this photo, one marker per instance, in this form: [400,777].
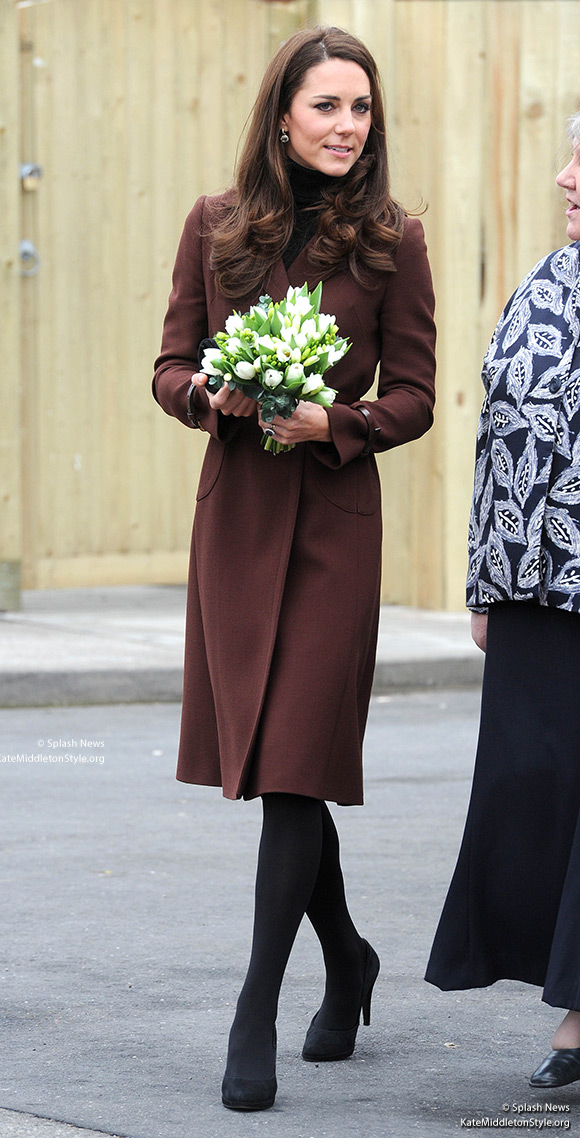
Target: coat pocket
[354,487]
[210,470]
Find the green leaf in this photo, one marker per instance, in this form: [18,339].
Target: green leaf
[316,297]
[253,390]
[294,384]
[215,383]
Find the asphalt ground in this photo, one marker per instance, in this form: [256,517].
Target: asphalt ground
[126,923]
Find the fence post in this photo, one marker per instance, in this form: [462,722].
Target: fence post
[10,372]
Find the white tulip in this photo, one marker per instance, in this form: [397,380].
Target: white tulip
[324,321]
[207,364]
[272,378]
[267,342]
[245,370]
[233,345]
[300,305]
[329,395]
[295,371]
[312,385]
[334,355]
[234,324]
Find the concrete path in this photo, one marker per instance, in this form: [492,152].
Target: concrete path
[124,645]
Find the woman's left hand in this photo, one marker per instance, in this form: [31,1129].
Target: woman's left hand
[479,629]
[308,424]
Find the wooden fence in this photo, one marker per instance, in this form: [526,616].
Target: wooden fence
[133,108]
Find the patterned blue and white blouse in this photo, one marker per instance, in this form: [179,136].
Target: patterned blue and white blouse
[524,527]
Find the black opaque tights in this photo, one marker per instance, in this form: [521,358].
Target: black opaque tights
[298,872]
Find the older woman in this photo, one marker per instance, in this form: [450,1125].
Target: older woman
[284,576]
[513,907]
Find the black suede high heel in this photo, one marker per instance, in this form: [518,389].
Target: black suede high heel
[326,1045]
[250,1094]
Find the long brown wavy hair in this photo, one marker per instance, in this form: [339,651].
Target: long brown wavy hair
[360,225]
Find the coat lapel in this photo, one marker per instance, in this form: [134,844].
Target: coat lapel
[279,278]
[277,281]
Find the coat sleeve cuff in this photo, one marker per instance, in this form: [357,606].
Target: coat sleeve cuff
[220,426]
[350,433]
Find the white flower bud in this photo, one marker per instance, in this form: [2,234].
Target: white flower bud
[211,357]
[245,370]
[302,305]
[272,378]
[234,323]
[329,395]
[233,345]
[267,342]
[312,385]
[334,355]
[324,321]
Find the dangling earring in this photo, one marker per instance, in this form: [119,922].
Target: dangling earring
[284,136]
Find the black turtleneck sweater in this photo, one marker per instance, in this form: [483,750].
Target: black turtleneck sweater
[307,186]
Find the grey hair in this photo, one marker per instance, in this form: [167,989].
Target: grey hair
[574,127]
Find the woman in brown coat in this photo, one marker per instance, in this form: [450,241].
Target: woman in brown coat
[283,592]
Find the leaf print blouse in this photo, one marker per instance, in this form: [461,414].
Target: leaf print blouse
[524,527]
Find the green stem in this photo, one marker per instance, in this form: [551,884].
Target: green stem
[274,446]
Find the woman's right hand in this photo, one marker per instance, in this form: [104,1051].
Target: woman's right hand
[228,402]
[479,629]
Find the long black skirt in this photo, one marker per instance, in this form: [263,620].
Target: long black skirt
[513,907]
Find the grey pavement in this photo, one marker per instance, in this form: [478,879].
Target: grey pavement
[127,909]
[125,644]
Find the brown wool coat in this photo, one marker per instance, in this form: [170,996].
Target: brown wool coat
[283,593]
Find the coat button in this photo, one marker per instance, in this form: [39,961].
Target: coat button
[555,385]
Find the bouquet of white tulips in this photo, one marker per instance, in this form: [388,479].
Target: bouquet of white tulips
[277,354]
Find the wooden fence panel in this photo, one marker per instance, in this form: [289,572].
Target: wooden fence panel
[477,97]
[137,109]
[134,108]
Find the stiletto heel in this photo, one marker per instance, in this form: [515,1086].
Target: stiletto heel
[366,1007]
[325,1045]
